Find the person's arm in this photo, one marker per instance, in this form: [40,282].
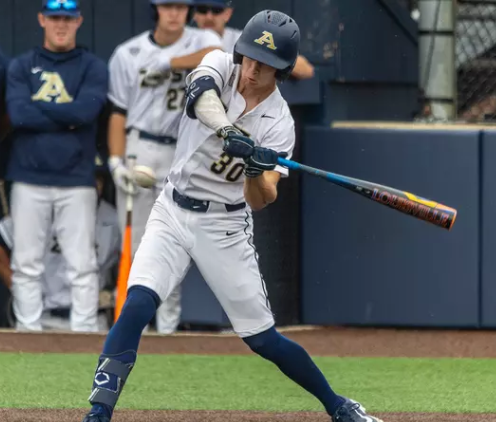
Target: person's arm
[191,61]
[261,191]
[86,107]
[209,41]
[23,113]
[303,69]
[117,134]
[5,271]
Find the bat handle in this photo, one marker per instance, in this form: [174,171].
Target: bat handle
[293,165]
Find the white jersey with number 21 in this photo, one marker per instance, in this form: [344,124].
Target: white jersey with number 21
[200,168]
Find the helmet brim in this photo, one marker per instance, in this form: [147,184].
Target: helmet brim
[262,56]
[71,14]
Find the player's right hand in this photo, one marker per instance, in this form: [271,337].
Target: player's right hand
[122,176]
[236,143]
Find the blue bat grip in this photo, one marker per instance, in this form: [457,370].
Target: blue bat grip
[293,165]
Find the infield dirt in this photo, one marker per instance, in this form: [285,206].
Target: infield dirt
[318,341]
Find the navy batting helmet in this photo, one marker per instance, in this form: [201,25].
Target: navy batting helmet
[272,38]
[155,3]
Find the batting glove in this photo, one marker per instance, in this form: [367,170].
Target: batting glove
[262,159]
[122,176]
[236,143]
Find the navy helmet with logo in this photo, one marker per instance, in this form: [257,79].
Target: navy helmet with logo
[272,38]
[61,8]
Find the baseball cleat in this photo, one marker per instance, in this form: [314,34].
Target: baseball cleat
[352,411]
[95,417]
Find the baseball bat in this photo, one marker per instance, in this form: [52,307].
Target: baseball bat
[405,202]
[126,257]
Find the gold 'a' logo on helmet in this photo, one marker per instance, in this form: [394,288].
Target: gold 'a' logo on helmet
[268,39]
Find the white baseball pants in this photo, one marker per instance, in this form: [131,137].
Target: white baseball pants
[72,212]
[221,244]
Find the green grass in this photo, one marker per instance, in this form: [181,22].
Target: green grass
[249,383]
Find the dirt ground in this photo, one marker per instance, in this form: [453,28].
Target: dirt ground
[318,341]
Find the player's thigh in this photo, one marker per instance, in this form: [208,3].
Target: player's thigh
[31,209]
[225,255]
[75,226]
[161,261]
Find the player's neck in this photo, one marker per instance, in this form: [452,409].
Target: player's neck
[53,49]
[163,38]
[255,94]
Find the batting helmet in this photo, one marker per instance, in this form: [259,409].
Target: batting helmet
[155,3]
[272,38]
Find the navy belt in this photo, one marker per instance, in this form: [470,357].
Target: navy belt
[200,206]
[159,139]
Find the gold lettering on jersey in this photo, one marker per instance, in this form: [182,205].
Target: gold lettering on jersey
[267,38]
[53,88]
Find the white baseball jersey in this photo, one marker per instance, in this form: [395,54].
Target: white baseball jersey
[155,109]
[200,168]
[229,39]
[56,290]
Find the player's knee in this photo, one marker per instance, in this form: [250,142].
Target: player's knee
[141,304]
[265,344]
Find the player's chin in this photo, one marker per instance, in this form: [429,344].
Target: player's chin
[175,26]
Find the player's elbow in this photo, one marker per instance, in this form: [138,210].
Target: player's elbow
[303,69]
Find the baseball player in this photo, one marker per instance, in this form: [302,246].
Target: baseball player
[147,87]
[55,94]
[235,126]
[55,287]
[215,15]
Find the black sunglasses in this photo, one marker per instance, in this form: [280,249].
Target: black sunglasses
[203,10]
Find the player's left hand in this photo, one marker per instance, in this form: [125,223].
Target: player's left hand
[262,159]
[236,143]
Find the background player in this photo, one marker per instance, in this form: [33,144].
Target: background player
[204,212]
[215,15]
[147,85]
[55,286]
[54,97]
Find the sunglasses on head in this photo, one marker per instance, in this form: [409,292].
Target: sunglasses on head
[216,10]
[61,5]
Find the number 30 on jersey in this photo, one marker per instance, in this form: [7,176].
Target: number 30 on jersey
[221,165]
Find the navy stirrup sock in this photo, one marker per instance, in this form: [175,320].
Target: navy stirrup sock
[296,364]
[121,345]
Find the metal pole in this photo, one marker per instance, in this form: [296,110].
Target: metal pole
[437,56]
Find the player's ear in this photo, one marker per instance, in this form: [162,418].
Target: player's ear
[41,20]
[79,22]
[228,14]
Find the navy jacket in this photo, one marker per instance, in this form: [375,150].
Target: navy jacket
[53,101]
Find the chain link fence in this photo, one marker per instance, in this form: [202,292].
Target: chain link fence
[476,59]
[475,54]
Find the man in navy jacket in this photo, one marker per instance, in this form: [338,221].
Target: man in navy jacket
[55,94]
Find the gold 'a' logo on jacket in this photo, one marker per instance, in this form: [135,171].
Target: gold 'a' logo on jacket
[267,39]
[52,89]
